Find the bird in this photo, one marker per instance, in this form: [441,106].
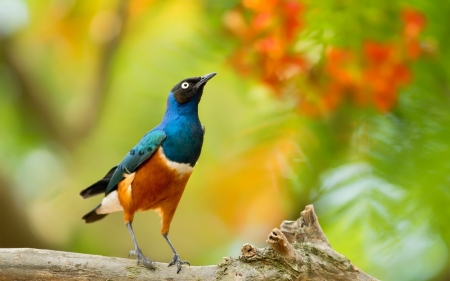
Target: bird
[154,173]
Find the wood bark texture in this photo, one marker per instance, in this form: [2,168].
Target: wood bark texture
[298,250]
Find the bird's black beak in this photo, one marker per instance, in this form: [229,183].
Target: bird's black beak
[204,79]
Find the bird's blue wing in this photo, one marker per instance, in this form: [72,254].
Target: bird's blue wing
[137,155]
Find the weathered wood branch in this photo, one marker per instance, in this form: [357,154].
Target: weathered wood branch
[299,251]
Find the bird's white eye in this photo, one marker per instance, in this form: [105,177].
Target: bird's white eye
[184,85]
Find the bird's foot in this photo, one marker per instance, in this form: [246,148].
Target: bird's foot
[176,260]
[148,262]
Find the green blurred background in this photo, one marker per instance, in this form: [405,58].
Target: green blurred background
[340,104]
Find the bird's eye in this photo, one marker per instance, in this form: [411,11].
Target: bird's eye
[184,85]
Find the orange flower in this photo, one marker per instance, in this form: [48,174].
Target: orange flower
[414,22]
[372,75]
[378,53]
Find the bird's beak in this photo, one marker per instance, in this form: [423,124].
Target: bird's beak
[204,79]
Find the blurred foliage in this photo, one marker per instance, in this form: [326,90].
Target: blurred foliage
[343,104]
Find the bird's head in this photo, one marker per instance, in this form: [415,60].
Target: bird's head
[190,88]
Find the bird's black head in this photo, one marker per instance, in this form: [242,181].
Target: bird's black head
[188,88]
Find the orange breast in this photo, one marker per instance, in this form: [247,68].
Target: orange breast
[155,185]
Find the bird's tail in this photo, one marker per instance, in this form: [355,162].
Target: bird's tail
[92,216]
[98,187]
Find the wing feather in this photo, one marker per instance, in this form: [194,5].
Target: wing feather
[137,155]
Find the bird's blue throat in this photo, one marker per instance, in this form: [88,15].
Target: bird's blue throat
[184,132]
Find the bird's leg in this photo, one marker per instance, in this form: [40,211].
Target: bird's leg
[176,257]
[137,251]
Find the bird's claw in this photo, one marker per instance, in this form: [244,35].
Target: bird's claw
[176,260]
[147,262]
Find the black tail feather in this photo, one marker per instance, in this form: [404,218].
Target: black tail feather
[98,187]
[92,216]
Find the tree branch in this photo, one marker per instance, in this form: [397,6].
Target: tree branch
[299,251]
